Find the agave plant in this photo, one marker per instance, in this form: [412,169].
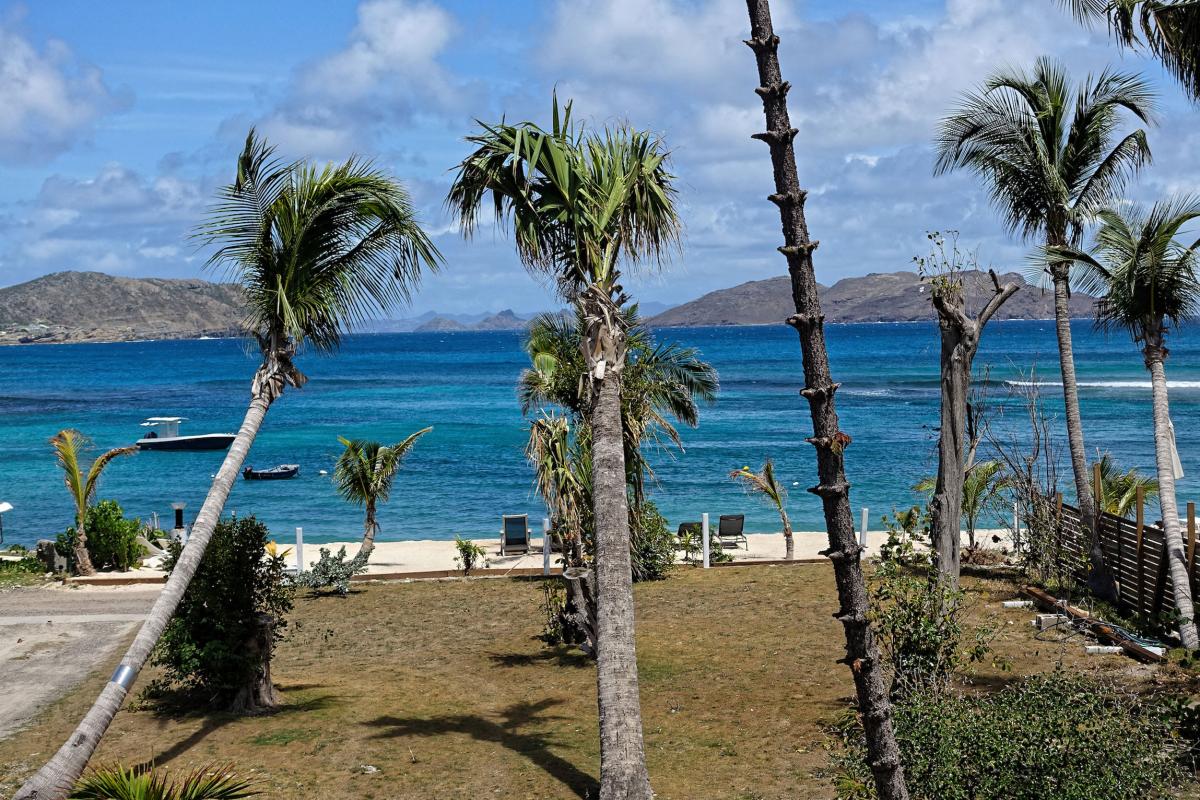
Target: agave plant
[137,783]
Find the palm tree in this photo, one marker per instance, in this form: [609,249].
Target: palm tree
[828,439]
[582,205]
[364,474]
[765,484]
[1119,490]
[1148,283]
[1169,30]
[982,485]
[562,476]
[1049,154]
[659,382]
[67,445]
[315,250]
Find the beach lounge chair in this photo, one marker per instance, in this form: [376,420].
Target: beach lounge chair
[729,530]
[514,537]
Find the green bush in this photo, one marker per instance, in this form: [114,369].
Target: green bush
[1049,737]
[204,646]
[469,555]
[331,574]
[111,538]
[653,546]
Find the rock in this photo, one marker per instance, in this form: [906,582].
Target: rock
[49,556]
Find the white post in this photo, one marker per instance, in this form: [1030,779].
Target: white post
[862,536]
[299,550]
[1016,521]
[704,536]
[545,546]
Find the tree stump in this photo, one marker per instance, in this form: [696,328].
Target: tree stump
[258,693]
[49,556]
[580,611]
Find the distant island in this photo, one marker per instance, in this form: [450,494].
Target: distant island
[878,297]
[95,307]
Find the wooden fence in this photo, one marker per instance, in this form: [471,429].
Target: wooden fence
[1135,553]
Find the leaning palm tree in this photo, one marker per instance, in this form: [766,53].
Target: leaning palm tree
[1049,153]
[1170,30]
[765,484]
[1149,282]
[315,251]
[583,205]
[364,474]
[1119,490]
[67,445]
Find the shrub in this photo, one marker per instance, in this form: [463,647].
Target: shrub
[1048,737]
[331,574]
[653,546]
[469,555]
[111,538]
[204,647]
[125,783]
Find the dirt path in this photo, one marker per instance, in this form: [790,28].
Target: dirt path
[53,638]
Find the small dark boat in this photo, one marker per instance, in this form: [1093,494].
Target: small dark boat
[280,473]
[164,435]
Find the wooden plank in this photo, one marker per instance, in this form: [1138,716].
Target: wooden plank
[1102,631]
[1160,585]
[1191,551]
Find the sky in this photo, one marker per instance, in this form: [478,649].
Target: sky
[120,120]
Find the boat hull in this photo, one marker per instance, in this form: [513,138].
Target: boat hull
[204,441]
[281,473]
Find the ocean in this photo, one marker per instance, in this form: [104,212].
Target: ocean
[470,469]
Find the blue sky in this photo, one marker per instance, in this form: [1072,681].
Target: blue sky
[118,120]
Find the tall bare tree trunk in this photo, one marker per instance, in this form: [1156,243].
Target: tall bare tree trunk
[1066,362]
[960,343]
[54,780]
[789,543]
[862,655]
[623,774]
[1176,555]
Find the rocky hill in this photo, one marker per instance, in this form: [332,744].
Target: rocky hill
[506,320]
[92,306]
[879,297]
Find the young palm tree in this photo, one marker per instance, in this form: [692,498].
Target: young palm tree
[1170,30]
[1119,490]
[764,483]
[131,783]
[67,445]
[1148,282]
[562,475]
[315,251]
[364,474]
[982,485]
[659,382]
[1049,154]
[583,205]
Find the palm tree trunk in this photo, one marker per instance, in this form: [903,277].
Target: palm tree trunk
[862,654]
[789,544]
[1066,362]
[370,528]
[83,559]
[623,774]
[1176,555]
[54,780]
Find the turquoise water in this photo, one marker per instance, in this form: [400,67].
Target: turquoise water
[470,469]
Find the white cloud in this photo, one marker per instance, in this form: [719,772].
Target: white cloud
[48,99]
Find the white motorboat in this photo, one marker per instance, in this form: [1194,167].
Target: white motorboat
[164,435]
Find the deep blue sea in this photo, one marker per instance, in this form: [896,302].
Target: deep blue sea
[470,469]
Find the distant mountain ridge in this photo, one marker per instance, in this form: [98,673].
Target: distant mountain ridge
[878,297]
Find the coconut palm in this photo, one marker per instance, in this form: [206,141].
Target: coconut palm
[67,446]
[364,474]
[1119,490]
[1148,283]
[1049,153]
[660,382]
[582,206]
[1169,30]
[315,250]
[765,484]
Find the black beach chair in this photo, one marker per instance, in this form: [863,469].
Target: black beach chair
[514,537]
[729,530]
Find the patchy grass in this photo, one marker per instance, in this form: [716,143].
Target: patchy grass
[443,687]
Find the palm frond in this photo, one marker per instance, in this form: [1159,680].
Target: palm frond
[366,470]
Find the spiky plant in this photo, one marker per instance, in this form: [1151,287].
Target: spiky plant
[136,783]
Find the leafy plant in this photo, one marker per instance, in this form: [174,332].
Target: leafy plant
[1048,737]
[137,783]
[1118,490]
[204,647]
[653,552]
[331,574]
[905,529]
[111,538]
[68,445]
[469,555]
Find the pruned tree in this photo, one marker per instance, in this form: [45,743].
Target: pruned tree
[862,652]
[960,335]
